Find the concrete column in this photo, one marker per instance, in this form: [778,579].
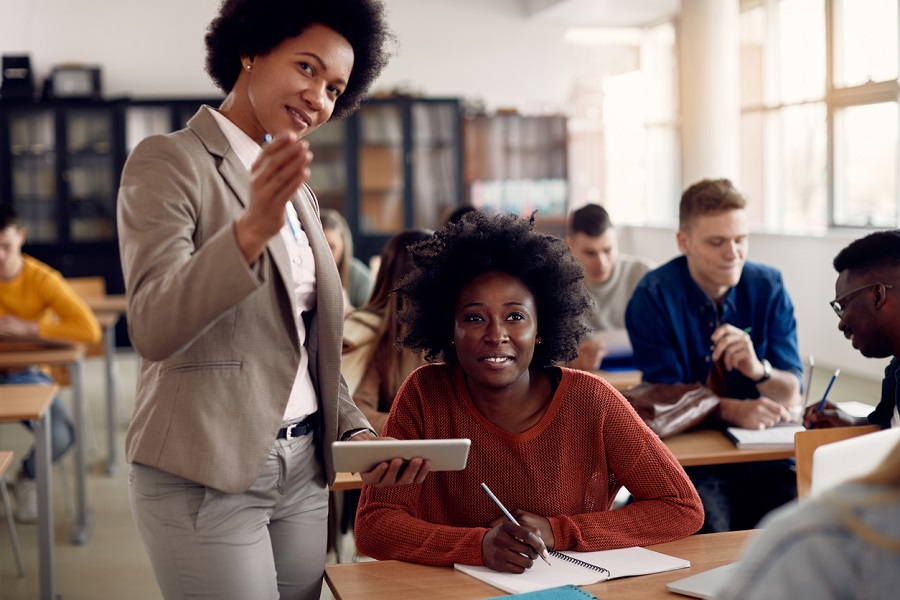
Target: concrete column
[710,95]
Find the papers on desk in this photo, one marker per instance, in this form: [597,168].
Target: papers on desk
[623,562]
[855,409]
[773,438]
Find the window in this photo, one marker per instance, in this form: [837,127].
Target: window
[819,141]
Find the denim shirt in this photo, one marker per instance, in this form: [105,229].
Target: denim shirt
[670,321]
[890,396]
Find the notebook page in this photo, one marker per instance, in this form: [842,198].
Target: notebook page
[622,562]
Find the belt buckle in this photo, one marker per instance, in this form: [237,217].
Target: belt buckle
[289,434]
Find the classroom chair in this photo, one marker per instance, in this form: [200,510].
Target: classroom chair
[5,461]
[806,442]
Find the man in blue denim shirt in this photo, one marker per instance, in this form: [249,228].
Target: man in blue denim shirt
[709,317]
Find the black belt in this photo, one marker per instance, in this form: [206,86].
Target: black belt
[297,429]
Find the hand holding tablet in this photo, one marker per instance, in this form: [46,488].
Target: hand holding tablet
[363,456]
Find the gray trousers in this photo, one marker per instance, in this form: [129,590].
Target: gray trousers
[267,543]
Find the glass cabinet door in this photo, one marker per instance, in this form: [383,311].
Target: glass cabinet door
[436,154]
[328,173]
[381,168]
[32,165]
[90,174]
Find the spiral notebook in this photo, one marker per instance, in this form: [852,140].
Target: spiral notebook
[578,568]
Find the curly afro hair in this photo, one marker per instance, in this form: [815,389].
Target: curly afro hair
[255,27]
[479,243]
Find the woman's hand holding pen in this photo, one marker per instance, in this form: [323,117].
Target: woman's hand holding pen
[282,166]
[511,547]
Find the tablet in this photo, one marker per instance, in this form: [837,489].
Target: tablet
[359,457]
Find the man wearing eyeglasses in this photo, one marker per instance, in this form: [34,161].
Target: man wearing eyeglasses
[867,304]
[712,317]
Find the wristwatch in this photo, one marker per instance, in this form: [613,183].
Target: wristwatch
[767,372]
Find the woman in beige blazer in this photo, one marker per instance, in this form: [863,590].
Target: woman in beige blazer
[235,308]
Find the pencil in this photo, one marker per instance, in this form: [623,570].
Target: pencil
[543,549]
[828,389]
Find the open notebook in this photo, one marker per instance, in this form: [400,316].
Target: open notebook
[600,566]
[777,437]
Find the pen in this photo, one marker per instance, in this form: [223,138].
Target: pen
[543,550]
[747,329]
[828,389]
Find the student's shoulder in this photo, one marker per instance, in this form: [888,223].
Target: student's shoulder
[665,276]
[760,274]
[39,272]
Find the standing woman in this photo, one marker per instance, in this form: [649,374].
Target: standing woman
[235,307]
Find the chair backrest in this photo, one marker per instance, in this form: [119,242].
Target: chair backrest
[806,443]
[87,287]
[836,463]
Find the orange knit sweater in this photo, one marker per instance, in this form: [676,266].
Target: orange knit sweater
[568,468]
[39,293]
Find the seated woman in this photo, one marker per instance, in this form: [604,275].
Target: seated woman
[371,361]
[356,277]
[842,544]
[500,303]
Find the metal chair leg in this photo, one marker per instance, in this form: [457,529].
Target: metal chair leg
[11,525]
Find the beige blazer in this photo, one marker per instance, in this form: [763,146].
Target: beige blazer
[218,338]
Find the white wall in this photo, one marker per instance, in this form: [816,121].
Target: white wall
[484,50]
[805,262]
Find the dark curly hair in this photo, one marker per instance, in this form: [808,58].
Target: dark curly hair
[254,27]
[479,243]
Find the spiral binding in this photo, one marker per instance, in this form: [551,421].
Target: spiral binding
[579,562]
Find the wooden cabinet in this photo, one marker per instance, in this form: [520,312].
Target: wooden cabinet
[395,164]
[518,164]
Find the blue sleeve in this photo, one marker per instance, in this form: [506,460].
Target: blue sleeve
[783,351]
[654,338]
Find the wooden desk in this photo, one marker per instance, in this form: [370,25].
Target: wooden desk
[621,380]
[73,357]
[692,449]
[712,447]
[31,403]
[394,580]
[114,303]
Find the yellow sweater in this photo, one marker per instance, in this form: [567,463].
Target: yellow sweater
[40,293]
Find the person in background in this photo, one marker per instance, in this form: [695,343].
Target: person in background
[843,544]
[234,305]
[36,301]
[710,316]
[609,276]
[867,304]
[497,304]
[356,278]
[372,362]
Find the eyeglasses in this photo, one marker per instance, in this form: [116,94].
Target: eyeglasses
[836,304]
